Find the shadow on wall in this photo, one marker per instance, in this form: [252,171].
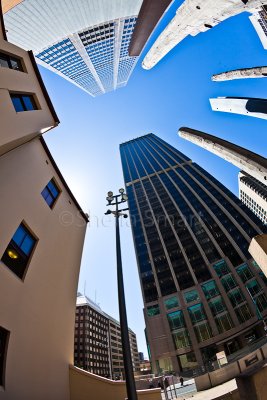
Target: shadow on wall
[87,386]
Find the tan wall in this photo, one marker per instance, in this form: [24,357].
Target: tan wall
[39,312]
[230,371]
[8,4]
[258,250]
[18,128]
[87,386]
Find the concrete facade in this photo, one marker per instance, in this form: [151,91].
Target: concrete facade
[237,105]
[244,73]
[252,163]
[192,18]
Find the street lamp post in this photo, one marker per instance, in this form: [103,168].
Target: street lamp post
[116,200]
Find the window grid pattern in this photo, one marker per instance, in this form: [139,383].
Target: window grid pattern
[99,43]
[161,180]
[126,63]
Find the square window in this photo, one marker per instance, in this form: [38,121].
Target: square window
[4,335]
[19,250]
[50,193]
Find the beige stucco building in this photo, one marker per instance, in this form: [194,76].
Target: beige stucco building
[42,234]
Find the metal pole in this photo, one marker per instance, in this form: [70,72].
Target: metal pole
[127,358]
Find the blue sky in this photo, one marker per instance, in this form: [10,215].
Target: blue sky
[174,94]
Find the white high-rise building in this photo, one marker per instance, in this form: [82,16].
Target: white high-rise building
[254,194]
[239,105]
[259,21]
[85,42]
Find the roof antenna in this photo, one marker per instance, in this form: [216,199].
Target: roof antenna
[84,288]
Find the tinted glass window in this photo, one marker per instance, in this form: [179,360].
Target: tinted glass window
[19,250]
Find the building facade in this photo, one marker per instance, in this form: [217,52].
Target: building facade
[42,234]
[202,291]
[253,193]
[259,21]
[97,341]
[86,44]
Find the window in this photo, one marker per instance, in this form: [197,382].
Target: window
[191,296]
[253,287]
[244,272]
[19,250]
[197,313]
[221,268]
[236,297]
[4,334]
[228,283]
[224,322]
[217,306]
[210,290]
[7,61]
[176,320]
[23,102]
[50,193]
[181,339]
[187,361]
[243,313]
[153,310]
[171,303]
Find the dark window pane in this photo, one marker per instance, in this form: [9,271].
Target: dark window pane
[16,64]
[27,245]
[50,193]
[3,349]
[18,251]
[3,61]
[19,235]
[29,103]
[16,100]
[153,310]
[53,189]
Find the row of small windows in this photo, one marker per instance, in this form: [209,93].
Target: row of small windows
[19,250]
[254,206]
[21,101]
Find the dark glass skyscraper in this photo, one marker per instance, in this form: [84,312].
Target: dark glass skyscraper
[202,291]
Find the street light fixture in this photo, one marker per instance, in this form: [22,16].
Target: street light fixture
[116,200]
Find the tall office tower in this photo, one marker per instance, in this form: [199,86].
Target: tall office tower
[85,43]
[239,105]
[202,291]
[254,194]
[259,21]
[97,341]
[91,340]
[193,17]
